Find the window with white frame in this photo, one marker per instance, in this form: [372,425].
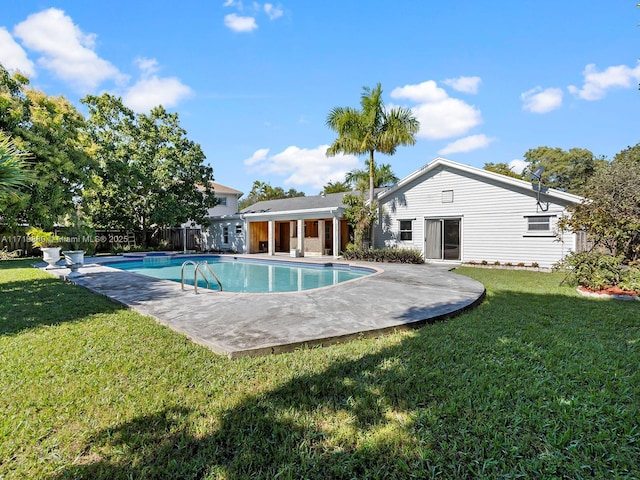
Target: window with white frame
[225,234]
[406,230]
[222,201]
[238,229]
[539,224]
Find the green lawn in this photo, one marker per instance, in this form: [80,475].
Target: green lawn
[535,382]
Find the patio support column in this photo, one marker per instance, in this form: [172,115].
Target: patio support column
[321,234]
[248,246]
[336,236]
[271,244]
[301,237]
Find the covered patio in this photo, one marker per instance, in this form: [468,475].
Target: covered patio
[301,226]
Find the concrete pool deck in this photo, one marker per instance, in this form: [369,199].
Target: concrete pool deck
[399,296]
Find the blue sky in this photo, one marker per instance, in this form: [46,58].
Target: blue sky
[253,82]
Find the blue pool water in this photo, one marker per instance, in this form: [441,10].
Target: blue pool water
[246,275]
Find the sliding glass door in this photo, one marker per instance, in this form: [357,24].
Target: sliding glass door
[442,238]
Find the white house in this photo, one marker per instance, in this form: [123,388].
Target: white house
[226,230]
[449,211]
[454,212]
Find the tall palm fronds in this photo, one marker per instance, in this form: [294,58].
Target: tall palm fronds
[14,171]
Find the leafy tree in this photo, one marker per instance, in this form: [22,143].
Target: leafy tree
[383,176]
[611,214]
[564,170]
[359,215]
[336,187]
[149,174]
[371,129]
[52,131]
[501,168]
[13,169]
[264,191]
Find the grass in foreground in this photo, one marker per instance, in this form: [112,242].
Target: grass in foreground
[535,382]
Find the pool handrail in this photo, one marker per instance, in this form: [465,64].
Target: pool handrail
[197,266]
[205,264]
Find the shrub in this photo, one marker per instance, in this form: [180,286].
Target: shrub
[593,270]
[631,279]
[389,255]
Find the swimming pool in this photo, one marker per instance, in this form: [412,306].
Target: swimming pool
[243,275]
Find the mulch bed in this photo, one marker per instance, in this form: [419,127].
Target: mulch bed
[610,292]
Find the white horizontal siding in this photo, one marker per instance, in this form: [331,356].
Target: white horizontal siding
[494,223]
[214,238]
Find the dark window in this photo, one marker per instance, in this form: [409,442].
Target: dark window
[406,230]
[311,228]
[225,234]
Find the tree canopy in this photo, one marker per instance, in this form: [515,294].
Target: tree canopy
[501,168]
[51,130]
[358,179]
[148,173]
[568,171]
[336,187]
[383,176]
[264,191]
[611,214]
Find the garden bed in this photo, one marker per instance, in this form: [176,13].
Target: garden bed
[609,292]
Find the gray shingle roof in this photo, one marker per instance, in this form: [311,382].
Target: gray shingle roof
[331,200]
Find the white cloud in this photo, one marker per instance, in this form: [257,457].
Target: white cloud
[13,56]
[423,92]
[257,157]
[240,24]
[538,100]
[302,166]
[597,83]
[445,119]
[517,165]
[147,65]
[65,49]
[467,144]
[464,84]
[440,116]
[272,11]
[152,91]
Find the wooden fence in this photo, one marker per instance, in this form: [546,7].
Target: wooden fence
[163,239]
[16,240]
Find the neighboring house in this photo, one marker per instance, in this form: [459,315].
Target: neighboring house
[226,227]
[454,212]
[449,211]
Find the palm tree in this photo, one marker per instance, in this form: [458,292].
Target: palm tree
[382,177]
[336,187]
[371,129]
[13,169]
